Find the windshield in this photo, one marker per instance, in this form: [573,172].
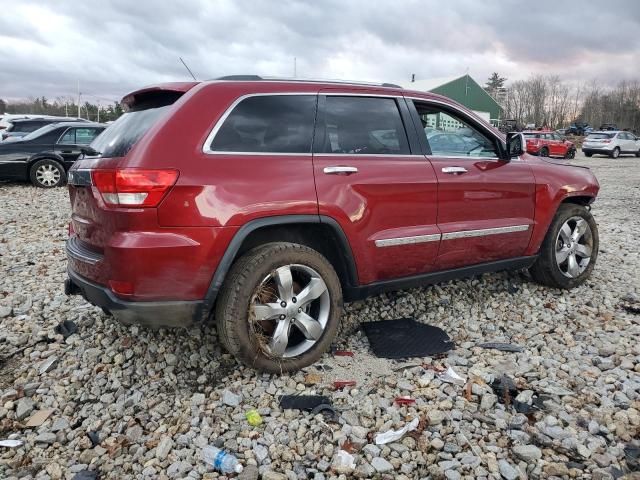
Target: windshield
[122,135]
[600,136]
[39,132]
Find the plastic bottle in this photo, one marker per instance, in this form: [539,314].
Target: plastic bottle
[221,460]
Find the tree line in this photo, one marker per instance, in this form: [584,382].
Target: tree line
[547,100]
[63,107]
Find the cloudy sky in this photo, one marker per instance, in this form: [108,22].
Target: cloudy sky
[113,46]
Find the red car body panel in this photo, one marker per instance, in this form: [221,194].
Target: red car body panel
[172,251]
[492,194]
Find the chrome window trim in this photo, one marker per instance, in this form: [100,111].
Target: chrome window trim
[392,242]
[364,155]
[484,232]
[63,134]
[463,157]
[214,131]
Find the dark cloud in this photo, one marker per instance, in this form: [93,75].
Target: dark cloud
[114,46]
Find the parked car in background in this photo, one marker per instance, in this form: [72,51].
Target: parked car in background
[612,144]
[180,216]
[44,156]
[21,126]
[578,128]
[7,118]
[608,127]
[549,144]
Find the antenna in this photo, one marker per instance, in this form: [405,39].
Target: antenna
[188,69]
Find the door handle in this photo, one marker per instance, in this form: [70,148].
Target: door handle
[454,170]
[340,170]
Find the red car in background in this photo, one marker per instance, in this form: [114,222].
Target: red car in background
[549,144]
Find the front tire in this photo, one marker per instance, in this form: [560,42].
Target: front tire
[544,152]
[571,153]
[588,154]
[615,153]
[569,251]
[279,308]
[47,173]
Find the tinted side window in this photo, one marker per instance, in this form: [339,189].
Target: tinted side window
[84,136]
[363,126]
[268,124]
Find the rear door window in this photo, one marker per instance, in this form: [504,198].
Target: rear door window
[268,124]
[363,126]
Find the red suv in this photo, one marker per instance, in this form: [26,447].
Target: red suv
[549,144]
[267,203]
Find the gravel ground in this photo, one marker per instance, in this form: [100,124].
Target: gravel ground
[156,398]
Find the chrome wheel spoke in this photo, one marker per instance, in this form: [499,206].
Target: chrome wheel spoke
[284,282]
[308,325]
[579,230]
[573,269]
[280,339]
[312,291]
[561,255]
[267,311]
[565,234]
[583,250]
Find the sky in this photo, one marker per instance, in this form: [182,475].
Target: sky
[114,46]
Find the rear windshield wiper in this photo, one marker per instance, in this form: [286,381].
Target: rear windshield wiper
[90,152]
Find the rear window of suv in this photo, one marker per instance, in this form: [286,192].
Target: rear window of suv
[122,135]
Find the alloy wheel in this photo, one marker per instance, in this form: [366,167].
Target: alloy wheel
[289,311]
[574,246]
[48,175]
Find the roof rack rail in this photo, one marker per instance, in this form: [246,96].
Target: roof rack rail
[251,78]
[240,77]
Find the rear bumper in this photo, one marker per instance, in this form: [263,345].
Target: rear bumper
[597,150]
[148,314]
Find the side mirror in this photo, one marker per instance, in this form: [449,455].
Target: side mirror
[516,145]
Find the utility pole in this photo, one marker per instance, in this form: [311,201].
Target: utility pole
[295,67]
[78,98]
[98,111]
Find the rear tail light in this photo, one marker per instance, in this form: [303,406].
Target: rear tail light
[133,187]
[606,141]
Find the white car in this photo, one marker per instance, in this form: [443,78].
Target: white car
[612,144]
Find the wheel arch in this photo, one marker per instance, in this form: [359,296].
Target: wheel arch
[321,233]
[45,156]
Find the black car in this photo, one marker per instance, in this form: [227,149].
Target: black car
[22,126]
[44,156]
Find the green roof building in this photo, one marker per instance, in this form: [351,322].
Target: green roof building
[464,90]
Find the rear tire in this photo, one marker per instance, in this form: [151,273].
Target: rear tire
[571,153]
[47,173]
[588,154]
[638,153]
[615,153]
[554,266]
[257,285]
[544,152]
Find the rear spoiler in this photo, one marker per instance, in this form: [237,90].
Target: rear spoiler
[156,95]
